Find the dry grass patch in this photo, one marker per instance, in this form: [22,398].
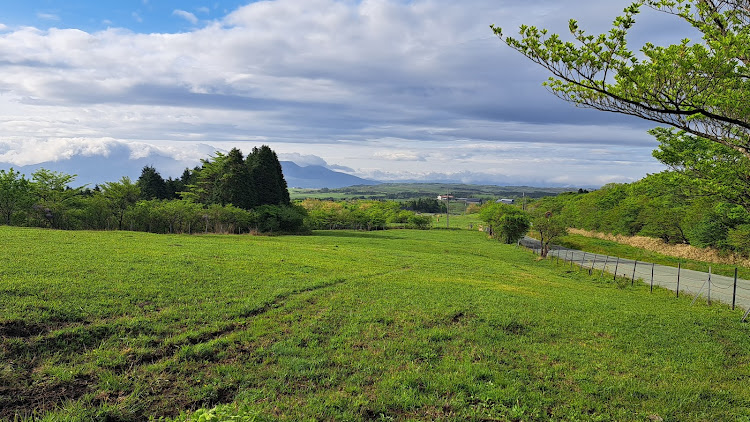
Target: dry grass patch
[678,251]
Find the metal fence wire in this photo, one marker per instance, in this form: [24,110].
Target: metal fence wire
[710,287]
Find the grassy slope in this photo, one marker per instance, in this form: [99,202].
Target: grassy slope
[438,325]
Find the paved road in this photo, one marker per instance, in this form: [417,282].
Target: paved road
[716,287]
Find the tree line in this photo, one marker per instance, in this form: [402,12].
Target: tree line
[227,193]
[667,205]
[426,205]
[361,215]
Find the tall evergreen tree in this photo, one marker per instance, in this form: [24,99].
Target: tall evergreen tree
[174,187]
[189,176]
[245,183]
[151,184]
[208,177]
[236,184]
[268,177]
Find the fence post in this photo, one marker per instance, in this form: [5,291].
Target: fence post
[679,270]
[709,284]
[700,291]
[652,277]
[606,261]
[616,266]
[583,259]
[734,293]
[591,270]
[632,280]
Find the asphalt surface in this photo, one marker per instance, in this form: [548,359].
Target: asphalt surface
[707,287]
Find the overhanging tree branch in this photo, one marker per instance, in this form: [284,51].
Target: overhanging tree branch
[701,88]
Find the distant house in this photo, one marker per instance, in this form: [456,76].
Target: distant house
[473,201]
[505,201]
[445,197]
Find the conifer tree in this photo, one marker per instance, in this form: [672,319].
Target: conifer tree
[268,178]
[151,184]
[236,185]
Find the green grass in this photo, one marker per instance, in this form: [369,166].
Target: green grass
[426,190]
[457,221]
[395,325]
[608,247]
[299,194]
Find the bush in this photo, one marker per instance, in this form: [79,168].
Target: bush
[507,223]
[420,222]
[473,208]
[739,239]
[354,215]
[278,218]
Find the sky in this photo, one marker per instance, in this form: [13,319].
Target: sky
[390,90]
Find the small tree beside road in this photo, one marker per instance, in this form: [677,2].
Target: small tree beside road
[549,227]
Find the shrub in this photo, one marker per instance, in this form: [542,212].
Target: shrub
[420,222]
[739,239]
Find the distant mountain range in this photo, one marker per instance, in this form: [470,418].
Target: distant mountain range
[313,177]
[97,169]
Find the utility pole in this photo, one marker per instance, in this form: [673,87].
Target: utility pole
[448,212]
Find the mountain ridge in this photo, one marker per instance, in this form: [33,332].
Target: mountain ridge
[317,177]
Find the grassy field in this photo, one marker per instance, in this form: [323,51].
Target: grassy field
[394,325]
[458,221]
[425,190]
[299,194]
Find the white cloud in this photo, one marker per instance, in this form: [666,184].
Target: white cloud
[137,17]
[186,15]
[401,156]
[303,159]
[23,152]
[205,10]
[373,85]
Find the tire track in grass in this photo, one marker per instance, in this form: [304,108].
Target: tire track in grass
[41,397]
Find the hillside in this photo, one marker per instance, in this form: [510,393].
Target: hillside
[390,325]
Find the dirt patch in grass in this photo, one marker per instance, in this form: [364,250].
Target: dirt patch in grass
[16,401]
[21,329]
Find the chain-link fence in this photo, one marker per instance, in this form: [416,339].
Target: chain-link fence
[710,287]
